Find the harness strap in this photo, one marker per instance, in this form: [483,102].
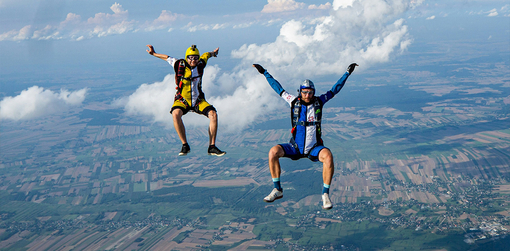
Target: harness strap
[295,114]
[179,97]
[179,74]
[306,123]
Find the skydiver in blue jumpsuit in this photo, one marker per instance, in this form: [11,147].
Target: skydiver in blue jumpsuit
[306,141]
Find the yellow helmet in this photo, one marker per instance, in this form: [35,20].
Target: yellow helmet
[192,51]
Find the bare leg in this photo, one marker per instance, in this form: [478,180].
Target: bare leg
[213,126]
[179,126]
[328,168]
[275,154]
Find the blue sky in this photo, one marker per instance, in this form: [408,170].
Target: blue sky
[293,39]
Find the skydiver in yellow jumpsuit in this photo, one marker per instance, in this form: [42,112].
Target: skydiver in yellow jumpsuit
[189,95]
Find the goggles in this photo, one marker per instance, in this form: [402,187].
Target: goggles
[306,92]
[193,57]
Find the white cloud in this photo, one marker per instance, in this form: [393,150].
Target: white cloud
[46,33]
[151,100]
[36,101]
[73,98]
[15,35]
[105,24]
[493,13]
[505,8]
[320,7]
[358,30]
[102,24]
[243,25]
[431,18]
[380,48]
[204,27]
[164,21]
[273,6]
[342,4]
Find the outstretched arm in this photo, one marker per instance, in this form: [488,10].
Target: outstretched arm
[277,87]
[341,82]
[209,54]
[158,55]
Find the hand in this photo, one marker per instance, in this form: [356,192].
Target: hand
[215,52]
[150,50]
[259,68]
[351,67]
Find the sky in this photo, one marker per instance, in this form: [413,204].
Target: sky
[43,40]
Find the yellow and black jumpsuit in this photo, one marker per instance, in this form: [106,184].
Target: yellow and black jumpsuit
[189,95]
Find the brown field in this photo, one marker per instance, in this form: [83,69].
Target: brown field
[166,242]
[385,211]
[308,201]
[244,233]
[252,243]
[224,183]
[109,215]
[503,188]
[319,219]
[13,239]
[504,213]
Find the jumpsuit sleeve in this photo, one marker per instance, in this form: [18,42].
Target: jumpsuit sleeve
[335,89]
[339,84]
[274,83]
[171,60]
[206,56]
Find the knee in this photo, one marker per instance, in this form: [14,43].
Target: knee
[212,115]
[177,114]
[276,152]
[326,156]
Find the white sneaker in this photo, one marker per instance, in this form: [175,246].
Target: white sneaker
[326,202]
[274,195]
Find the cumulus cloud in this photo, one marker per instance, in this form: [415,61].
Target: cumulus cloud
[362,31]
[365,31]
[493,13]
[320,7]
[102,24]
[431,17]
[37,101]
[238,97]
[164,21]
[17,35]
[342,4]
[151,100]
[204,27]
[273,6]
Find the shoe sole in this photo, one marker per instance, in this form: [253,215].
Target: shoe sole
[327,208]
[277,198]
[183,154]
[217,154]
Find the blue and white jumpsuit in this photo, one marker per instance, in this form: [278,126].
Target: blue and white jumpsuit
[306,141]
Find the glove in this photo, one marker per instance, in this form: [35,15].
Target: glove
[351,67]
[259,68]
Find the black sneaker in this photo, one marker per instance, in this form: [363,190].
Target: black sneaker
[213,150]
[184,150]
